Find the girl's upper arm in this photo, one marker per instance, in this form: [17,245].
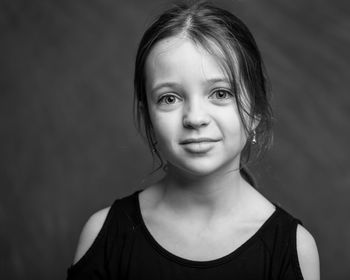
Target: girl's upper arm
[90,232]
[307,254]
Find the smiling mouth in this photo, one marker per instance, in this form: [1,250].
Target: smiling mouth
[198,140]
[198,145]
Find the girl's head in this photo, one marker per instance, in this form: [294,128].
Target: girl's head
[228,41]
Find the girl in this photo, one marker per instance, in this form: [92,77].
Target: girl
[200,96]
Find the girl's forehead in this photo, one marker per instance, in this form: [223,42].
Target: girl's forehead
[169,44]
[181,55]
[181,43]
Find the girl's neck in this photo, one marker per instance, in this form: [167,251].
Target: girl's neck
[210,195]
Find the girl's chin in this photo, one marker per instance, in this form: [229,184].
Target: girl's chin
[200,169]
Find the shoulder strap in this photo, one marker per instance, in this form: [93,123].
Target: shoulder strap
[287,250]
[128,211]
[95,257]
[128,219]
[293,249]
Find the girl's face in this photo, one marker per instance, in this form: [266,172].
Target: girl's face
[192,109]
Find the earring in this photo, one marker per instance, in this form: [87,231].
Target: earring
[254,138]
[154,148]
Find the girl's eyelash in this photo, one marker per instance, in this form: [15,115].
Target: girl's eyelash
[162,98]
[226,91]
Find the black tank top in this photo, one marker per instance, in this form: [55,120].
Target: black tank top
[125,249]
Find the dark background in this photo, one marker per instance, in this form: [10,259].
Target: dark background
[68,142]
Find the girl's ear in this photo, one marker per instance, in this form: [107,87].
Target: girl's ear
[141,107]
[255,122]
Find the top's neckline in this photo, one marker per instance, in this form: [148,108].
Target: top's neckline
[194,263]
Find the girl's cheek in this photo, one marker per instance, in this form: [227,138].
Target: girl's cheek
[160,123]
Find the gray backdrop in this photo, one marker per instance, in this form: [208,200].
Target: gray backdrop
[69,146]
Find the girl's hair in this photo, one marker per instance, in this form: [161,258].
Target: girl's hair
[226,37]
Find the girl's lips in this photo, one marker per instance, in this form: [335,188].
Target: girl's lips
[198,140]
[199,147]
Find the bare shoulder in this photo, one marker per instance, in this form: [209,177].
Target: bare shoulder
[90,232]
[307,254]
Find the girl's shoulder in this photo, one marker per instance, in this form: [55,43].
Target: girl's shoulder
[304,242]
[105,220]
[90,231]
[307,254]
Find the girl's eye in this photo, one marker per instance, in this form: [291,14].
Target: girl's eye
[168,99]
[221,94]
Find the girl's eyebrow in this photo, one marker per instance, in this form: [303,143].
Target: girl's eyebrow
[217,80]
[165,84]
[177,85]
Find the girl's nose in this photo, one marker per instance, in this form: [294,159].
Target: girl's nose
[195,116]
